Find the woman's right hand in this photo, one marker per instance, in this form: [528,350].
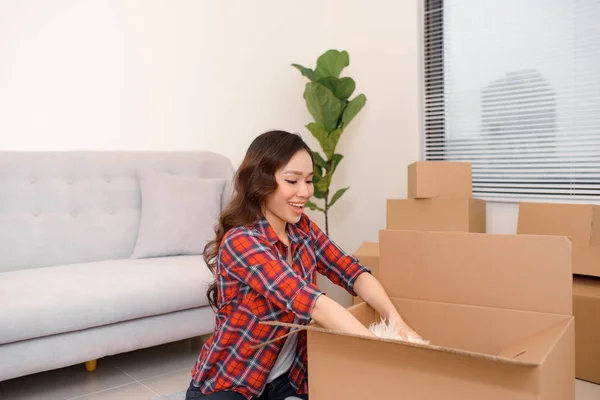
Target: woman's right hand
[405,330]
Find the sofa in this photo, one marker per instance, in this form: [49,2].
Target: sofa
[100,253]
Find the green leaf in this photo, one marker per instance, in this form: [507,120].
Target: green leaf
[331,143]
[337,195]
[307,72]
[331,63]
[318,175]
[318,132]
[353,108]
[313,206]
[319,161]
[317,172]
[323,184]
[335,160]
[341,88]
[323,105]
[318,194]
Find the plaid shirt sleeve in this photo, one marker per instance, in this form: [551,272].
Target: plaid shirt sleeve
[341,268]
[248,257]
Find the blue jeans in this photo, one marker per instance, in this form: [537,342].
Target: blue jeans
[279,389]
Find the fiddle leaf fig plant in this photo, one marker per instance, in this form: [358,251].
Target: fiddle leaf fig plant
[328,100]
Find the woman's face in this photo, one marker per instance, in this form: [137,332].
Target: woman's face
[294,188]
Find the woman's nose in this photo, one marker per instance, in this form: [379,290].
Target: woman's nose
[303,190]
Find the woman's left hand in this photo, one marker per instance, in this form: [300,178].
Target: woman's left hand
[405,330]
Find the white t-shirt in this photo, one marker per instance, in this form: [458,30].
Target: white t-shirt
[285,359]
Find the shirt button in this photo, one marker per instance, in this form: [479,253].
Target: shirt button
[32,181]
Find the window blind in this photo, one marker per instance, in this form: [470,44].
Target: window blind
[513,86]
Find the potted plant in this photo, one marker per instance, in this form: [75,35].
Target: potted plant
[328,100]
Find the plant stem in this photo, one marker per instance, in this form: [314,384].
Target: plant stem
[326,209]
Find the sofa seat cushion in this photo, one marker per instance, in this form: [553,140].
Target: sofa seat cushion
[51,300]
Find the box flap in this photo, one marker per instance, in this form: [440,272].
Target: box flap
[558,369]
[475,328]
[539,346]
[521,272]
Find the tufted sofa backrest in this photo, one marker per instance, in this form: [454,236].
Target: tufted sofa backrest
[70,207]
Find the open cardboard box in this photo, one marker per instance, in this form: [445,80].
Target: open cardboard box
[579,222]
[497,310]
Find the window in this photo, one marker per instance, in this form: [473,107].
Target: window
[513,86]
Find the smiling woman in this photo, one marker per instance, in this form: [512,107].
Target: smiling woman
[265,258]
[294,188]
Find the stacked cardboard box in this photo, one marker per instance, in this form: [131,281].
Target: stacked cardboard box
[439,199]
[581,223]
[496,309]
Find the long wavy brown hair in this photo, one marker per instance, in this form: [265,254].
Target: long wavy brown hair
[253,182]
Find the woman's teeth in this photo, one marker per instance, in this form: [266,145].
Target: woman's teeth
[297,205]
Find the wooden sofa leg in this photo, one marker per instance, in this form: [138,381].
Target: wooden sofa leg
[90,366]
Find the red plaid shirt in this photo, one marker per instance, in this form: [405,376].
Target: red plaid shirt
[255,283]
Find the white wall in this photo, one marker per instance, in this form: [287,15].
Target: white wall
[502,217]
[194,75]
[158,75]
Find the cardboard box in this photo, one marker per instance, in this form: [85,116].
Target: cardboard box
[586,309]
[434,179]
[444,215]
[586,260]
[579,222]
[496,308]
[368,255]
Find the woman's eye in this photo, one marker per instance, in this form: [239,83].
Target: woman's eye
[292,182]
[309,182]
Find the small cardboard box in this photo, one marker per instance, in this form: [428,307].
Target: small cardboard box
[586,309]
[444,215]
[433,179]
[368,255]
[496,308]
[579,222]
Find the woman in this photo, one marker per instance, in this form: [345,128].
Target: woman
[265,258]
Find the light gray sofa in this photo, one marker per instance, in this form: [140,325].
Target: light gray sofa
[69,291]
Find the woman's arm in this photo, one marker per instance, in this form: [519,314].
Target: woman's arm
[331,315]
[371,291]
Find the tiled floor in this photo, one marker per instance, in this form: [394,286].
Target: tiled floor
[139,375]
